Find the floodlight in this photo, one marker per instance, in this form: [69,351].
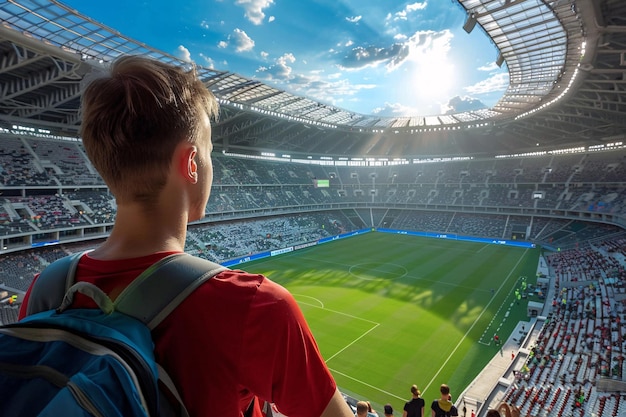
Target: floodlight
[470,22]
[500,60]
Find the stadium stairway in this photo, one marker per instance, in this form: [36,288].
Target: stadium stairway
[488,388]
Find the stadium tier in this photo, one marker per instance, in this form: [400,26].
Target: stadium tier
[547,198]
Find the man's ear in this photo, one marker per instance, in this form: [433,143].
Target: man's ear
[189,165]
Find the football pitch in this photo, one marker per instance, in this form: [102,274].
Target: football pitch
[389,311]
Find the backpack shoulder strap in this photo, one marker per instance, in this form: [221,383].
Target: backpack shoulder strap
[154,294]
[52,284]
[150,298]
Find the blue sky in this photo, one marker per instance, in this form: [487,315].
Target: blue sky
[376,57]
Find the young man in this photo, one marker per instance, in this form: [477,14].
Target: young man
[362,409]
[443,407]
[238,337]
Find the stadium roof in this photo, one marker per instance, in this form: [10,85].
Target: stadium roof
[566,65]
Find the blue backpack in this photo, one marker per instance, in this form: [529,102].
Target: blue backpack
[95,362]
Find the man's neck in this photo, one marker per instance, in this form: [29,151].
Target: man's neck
[137,233]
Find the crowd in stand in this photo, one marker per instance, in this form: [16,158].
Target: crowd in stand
[18,269]
[17,167]
[583,339]
[218,242]
[616,248]
[221,242]
[65,161]
[583,182]
[244,184]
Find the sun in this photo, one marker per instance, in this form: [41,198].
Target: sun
[435,77]
[431,76]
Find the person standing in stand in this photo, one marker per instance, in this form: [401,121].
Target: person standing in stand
[443,407]
[414,407]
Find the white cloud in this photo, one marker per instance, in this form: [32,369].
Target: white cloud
[495,83]
[460,104]
[271,19]
[241,41]
[490,66]
[400,15]
[280,70]
[208,62]
[354,19]
[410,8]
[426,44]
[394,109]
[421,47]
[416,6]
[264,54]
[371,56]
[332,89]
[325,90]
[254,9]
[183,53]
[204,24]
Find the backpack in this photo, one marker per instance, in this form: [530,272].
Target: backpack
[95,362]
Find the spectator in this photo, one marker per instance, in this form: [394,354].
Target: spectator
[388,410]
[414,407]
[362,408]
[146,129]
[370,411]
[443,407]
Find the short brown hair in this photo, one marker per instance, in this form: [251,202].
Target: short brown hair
[362,407]
[444,389]
[134,117]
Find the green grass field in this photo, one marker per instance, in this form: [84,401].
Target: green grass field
[392,310]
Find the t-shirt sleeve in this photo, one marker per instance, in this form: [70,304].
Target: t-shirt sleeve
[295,373]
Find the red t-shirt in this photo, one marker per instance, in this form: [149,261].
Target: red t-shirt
[235,336]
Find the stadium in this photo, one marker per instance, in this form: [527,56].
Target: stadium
[408,242]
